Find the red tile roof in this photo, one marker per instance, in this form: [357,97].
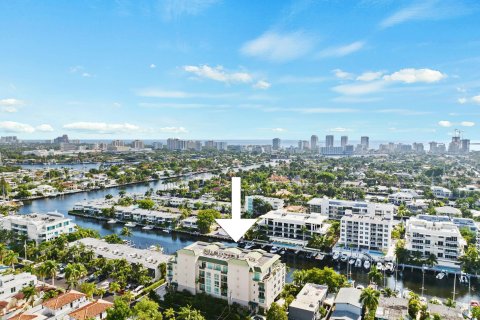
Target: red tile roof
[91,310]
[63,299]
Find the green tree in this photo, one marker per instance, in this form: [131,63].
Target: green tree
[206,218]
[275,312]
[188,313]
[120,310]
[50,269]
[89,288]
[114,287]
[10,258]
[126,232]
[370,297]
[147,204]
[169,314]
[29,293]
[375,275]
[147,309]
[470,260]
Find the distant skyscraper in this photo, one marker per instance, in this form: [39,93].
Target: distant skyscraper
[314,142]
[329,141]
[276,143]
[365,142]
[344,141]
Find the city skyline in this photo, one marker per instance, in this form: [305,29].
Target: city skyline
[398,71]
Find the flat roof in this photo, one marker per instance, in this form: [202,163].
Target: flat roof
[309,297]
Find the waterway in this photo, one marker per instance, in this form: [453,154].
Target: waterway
[171,242]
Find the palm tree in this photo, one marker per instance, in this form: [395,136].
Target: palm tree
[450,303]
[74,272]
[431,260]
[114,288]
[370,297]
[3,252]
[375,275]
[88,288]
[169,314]
[187,313]
[10,258]
[50,269]
[29,294]
[126,232]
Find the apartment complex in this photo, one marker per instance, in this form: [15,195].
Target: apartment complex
[294,228]
[441,238]
[274,202]
[336,209]
[11,284]
[252,278]
[306,305]
[37,226]
[149,259]
[366,231]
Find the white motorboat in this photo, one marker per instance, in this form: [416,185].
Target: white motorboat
[440,276]
[274,250]
[380,266]
[344,257]
[360,287]
[130,224]
[358,263]
[366,264]
[320,256]
[112,221]
[390,267]
[463,278]
[249,245]
[351,261]
[166,230]
[336,255]
[147,227]
[282,251]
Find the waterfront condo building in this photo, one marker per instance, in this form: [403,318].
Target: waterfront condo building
[274,202]
[366,231]
[336,209]
[441,238]
[252,278]
[11,284]
[293,228]
[37,226]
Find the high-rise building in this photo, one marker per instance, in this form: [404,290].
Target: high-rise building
[344,141]
[118,143]
[314,142]
[138,144]
[329,141]
[465,145]
[365,142]
[276,143]
[61,139]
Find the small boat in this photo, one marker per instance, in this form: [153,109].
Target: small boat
[111,221]
[351,261]
[282,252]
[156,248]
[249,245]
[390,267]
[130,224]
[463,278]
[148,227]
[358,263]
[344,257]
[309,255]
[440,276]
[274,250]
[166,230]
[360,287]
[366,264]
[319,256]
[380,266]
[336,255]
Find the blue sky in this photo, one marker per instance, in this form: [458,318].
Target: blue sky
[393,70]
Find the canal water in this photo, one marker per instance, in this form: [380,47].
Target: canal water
[171,242]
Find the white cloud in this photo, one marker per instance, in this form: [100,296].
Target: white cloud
[476,99]
[153,66]
[340,74]
[411,75]
[445,123]
[160,93]
[102,127]
[467,124]
[462,100]
[426,10]
[10,109]
[341,51]
[219,74]
[16,127]
[324,110]
[370,76]
[339,129]
[173,9]
[81,71]
[44,128]
[279,129]
[86,75]
[262,84]
[360,88]
[405,112]
[173,130]
[276,47]
[10,102]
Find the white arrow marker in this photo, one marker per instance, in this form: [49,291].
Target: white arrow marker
[236,227]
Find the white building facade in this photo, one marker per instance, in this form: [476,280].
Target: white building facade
[336,209]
